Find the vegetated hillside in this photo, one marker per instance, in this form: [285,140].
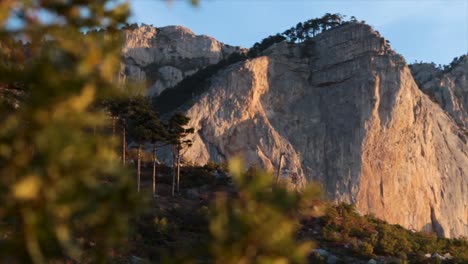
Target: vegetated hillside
[447,86]
[179,226]
[345,110]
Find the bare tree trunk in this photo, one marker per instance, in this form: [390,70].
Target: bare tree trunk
[113,126]
[124,144]
[178,170]
[173,172]
[154,170]
[139,167]
[279,168]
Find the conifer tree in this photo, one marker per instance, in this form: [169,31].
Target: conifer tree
[159,137]
[117,107]
[177,131]
[143,126]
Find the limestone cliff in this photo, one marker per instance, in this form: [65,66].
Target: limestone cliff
[162,57]
[448,87]
[345,110]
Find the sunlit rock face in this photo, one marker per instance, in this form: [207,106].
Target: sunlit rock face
[347,112]
[449,88]
[161,57]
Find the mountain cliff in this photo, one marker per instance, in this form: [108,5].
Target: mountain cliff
[447,87]
[162,57]
[345,110]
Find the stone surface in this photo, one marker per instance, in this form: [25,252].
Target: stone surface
[161,57]
[347,112]
[321,252]
[193,194]
[332,259]
[448,87]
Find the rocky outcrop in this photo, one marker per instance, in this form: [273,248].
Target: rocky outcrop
[346,111]
[447,87]
[161,57]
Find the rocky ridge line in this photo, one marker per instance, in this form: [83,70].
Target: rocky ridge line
[161,57]
[449,88]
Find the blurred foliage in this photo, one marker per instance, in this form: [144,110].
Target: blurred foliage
[62,188]
[259,224]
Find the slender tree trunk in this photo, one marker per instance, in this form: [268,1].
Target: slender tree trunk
[173,172]
[139,167]
[113,126]
[154,170]
[279,168]
[124,145]
[178,170]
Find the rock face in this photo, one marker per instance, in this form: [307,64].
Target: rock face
[346,111]
[162,57]
[447,87]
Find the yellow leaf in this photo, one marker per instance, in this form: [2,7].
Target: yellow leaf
[27,188]
[236,166]
[80,102]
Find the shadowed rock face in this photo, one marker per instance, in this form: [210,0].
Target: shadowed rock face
[162,57]
[448,88]
[346,111]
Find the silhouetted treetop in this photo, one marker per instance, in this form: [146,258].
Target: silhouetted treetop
[310,28]
[302,31]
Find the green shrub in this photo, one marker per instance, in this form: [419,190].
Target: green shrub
[330,234]
[318,259]
[366,249]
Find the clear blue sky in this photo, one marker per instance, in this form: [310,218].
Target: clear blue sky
[426,30]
